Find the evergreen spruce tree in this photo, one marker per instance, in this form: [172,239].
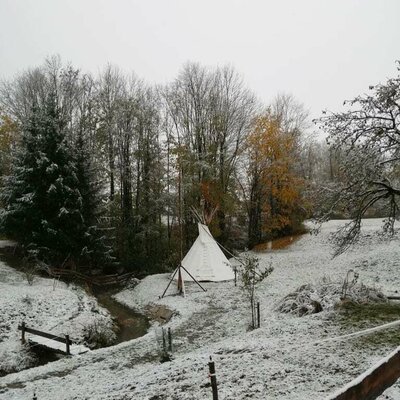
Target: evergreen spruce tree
[44,206]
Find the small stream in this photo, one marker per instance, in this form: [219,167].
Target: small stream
[130,323]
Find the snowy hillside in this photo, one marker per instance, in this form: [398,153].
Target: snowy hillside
[289,357]
[48,305]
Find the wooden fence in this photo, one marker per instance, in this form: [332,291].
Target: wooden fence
[103,280]
[373,382]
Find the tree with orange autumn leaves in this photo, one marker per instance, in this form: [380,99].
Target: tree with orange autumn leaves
[276,206]
[8,135]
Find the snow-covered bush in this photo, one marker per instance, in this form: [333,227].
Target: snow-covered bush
[314,298]
[15,356]
[99,333]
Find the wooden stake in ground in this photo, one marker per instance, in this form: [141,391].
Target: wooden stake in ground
[23,332]
[169,340]
[67,343]
[213,378]
[163,341]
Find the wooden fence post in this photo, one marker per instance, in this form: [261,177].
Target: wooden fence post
[169,340]
[253,314]
[67,342]
[258,315]
[164,341]
[23,332]
[211,367]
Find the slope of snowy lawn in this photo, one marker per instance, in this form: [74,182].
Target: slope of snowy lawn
[46,305]
[288,358]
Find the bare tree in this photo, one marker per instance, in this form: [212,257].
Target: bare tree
[292,115]
[110,89]
[251,275]
[368,135]
[211,111]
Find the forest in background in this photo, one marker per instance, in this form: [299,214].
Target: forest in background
[106,170]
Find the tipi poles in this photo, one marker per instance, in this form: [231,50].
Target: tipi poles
[204,290]
[169,283]
[182,290]
[181,284]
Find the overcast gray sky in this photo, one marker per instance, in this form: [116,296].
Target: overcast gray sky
[320,51]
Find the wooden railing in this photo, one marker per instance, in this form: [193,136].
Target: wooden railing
[373,382]
[24,329]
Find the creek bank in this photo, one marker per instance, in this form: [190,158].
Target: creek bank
[130,324]
[30,301]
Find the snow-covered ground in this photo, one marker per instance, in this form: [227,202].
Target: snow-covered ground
[47,305]
[289,357]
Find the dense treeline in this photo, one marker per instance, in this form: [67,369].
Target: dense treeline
[109,167]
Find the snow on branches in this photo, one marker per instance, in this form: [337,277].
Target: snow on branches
[367,135]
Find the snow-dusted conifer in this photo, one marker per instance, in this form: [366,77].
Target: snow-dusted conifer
[43,209]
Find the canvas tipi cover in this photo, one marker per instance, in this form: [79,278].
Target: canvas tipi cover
[205,261]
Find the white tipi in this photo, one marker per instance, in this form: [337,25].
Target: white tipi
[205,261]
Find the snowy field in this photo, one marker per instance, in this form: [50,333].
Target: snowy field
[289,357]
